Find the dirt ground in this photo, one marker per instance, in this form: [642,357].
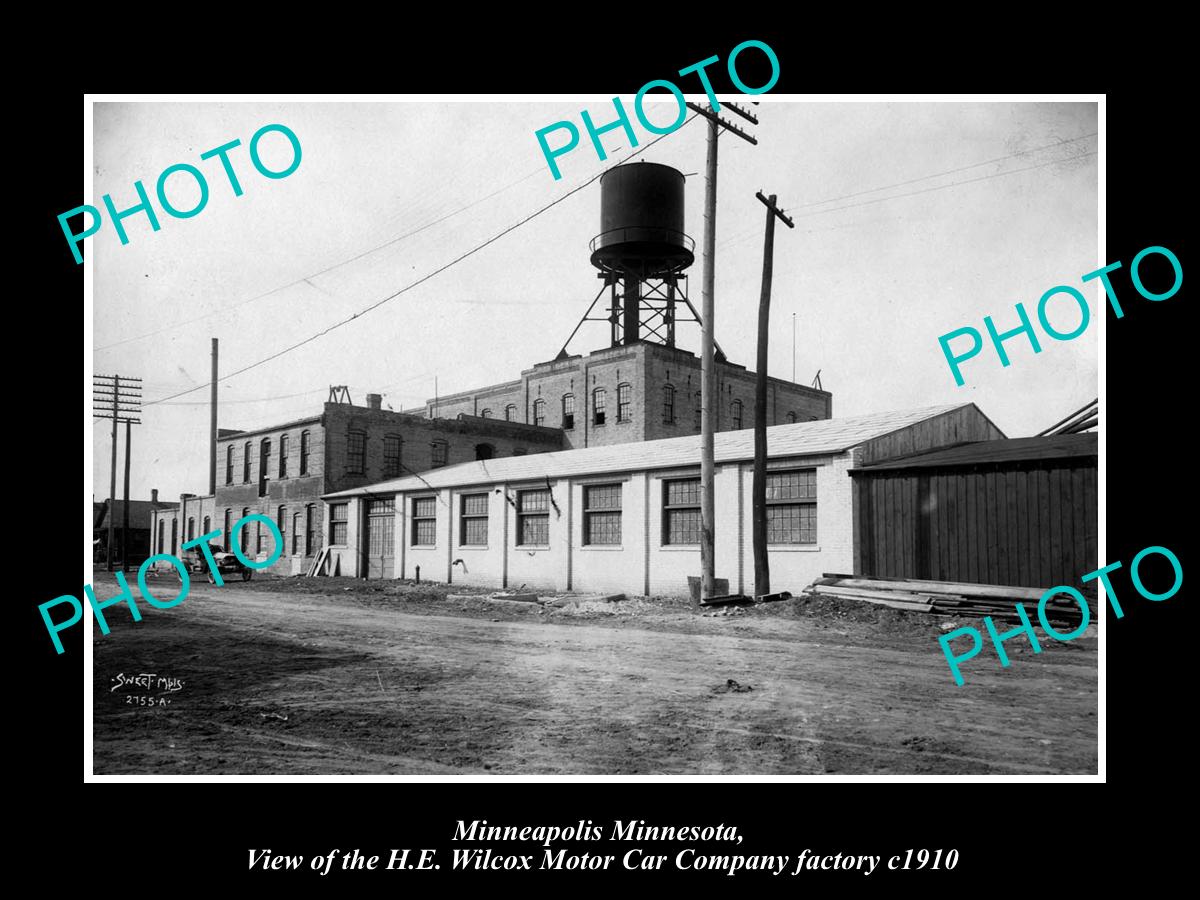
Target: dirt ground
[339,676]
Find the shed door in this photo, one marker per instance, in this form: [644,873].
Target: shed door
[380,538]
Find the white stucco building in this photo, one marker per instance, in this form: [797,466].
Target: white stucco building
[626,517]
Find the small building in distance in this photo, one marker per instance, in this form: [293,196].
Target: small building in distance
[639,391]
[141,522]
[615,518]
[282,471]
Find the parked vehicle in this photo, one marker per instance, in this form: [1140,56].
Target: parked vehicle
[227,563]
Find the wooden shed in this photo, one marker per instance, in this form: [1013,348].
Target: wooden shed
[1013,512]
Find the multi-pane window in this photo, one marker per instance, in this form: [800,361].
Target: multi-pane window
[244,540]
[539,412]
[283,455]
[304,441]
[264,465]
[699,404]
[624,402]
[258,537]
[533,518]
[598,406]
[735,414]
[229,463]
[602,514]
[792,507]
[310,529]
[473,527]
[424,521]
[510,413]
[281,521]
[391,455]
[568,404]
[191,528]
[486,414]
[227,543]
[207,525]
[437,451]
[356,452]
[295,533]
[681,511]
[247,450]
[339,523]
[668,404]
[382,531]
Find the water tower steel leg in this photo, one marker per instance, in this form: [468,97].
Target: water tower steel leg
[633,307]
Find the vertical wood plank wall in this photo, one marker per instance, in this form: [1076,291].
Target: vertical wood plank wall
[1033,526]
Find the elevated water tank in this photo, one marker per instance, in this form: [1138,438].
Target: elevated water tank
[641,221]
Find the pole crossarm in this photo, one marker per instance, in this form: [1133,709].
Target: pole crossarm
[728,126]
[770,204]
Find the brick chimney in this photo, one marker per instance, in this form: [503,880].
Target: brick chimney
[374,401]
[153,495]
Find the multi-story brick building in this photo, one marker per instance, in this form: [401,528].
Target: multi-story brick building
[633,392]
[283,470]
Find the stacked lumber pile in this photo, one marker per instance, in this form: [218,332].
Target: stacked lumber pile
[948,598]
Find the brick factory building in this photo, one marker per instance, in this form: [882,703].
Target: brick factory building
[282,471]
[633,392]
[606,519]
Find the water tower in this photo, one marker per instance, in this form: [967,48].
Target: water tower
[642,253]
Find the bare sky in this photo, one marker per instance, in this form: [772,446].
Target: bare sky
[872,278]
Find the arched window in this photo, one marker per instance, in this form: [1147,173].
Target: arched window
[191,527]
[161,536]
[437,452]
[229,463]
[735,413]
[264,465]
[247,450]
[245,528]
[568,411]
[624,402]
[698,404]
[304,441]
[283,455]
[539,411]
[356,452]
[281,521]
[510,413]
[791,418]
[486,414]
[207,525]
[227,543]
[668,404]
[295,533]
[174,536]
[484,451]
[598,406]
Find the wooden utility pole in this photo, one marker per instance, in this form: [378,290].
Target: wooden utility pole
[125,505]
[118,398]
[762,567]
[212,426]
[708,363]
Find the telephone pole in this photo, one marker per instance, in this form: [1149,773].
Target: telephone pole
[212,426]
[708,364]
[117,397]
[758,490]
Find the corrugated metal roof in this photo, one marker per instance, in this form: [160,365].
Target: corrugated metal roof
[1031,449]
[801,439]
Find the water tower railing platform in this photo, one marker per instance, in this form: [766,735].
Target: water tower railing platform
[647,248]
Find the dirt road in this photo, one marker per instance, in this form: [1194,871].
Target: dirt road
[280,682]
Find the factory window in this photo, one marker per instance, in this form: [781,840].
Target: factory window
[304,436]
[283,454]
[264,465]
[699,403]
[539,412]
[598,406]
[668,404]
[792,507]
[310,530]
[486,414]
[258,538]
[624,402]
[161,536]
[437,450]
[484,451]
[356,453]
[339,524]
[735,413]
[510,413]
[174,535]
[602,514]
[295,533]
[227,543]
[191,529]
[681,511]
[244,540]
[568,403]
[791,418]
[229,463]
[281,521]
[473,527]
[247,450]
[391,455]
[533,518]
[424,521]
